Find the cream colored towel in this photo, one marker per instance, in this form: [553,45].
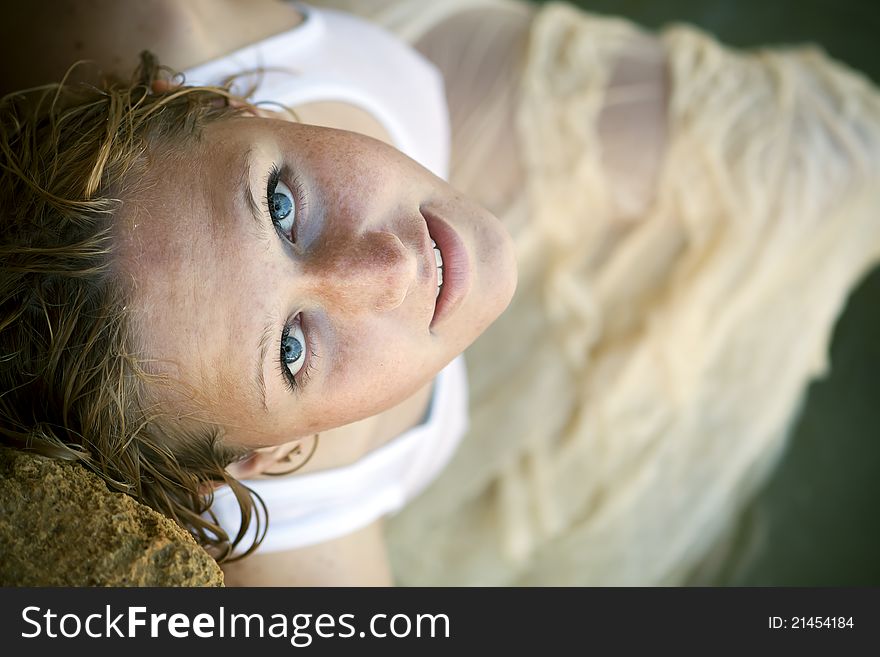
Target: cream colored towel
[642,384]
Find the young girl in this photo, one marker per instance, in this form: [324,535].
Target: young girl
[200,286]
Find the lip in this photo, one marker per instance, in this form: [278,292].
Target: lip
[456,267]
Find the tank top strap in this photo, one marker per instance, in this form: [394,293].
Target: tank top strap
[334,56]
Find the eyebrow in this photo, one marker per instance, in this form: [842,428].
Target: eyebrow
[263,348]
[246,193]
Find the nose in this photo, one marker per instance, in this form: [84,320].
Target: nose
[366,272]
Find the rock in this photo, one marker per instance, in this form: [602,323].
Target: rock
[61,526]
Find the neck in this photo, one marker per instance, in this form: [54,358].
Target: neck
[345,445]
[207,29]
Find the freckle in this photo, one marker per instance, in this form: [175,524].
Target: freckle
[78,45]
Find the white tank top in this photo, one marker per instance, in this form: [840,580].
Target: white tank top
[317,506]
[333,56]
[338,57]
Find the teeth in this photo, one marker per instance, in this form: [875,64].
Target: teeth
[438,258]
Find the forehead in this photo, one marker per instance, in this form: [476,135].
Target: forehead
[183,218]
[183,236]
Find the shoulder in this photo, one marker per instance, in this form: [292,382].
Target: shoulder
[52,35]
[359,558]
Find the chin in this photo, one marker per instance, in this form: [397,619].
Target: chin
[507,271]
[491,306]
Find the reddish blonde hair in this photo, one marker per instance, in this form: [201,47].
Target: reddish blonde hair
[72,384]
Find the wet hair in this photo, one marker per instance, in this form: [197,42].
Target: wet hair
[72,385]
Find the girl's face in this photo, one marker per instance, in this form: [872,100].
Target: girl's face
[284,275]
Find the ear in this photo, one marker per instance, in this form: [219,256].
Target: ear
[162,86]
[244,469]
[263,460]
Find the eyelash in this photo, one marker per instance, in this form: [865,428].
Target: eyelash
[290,380]
[300,206]
[308,368]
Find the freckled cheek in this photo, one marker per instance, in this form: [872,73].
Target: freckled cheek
[370,377]
[348,209]
[360,183]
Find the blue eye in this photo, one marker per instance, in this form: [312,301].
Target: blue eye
[293,348]
[282,206]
